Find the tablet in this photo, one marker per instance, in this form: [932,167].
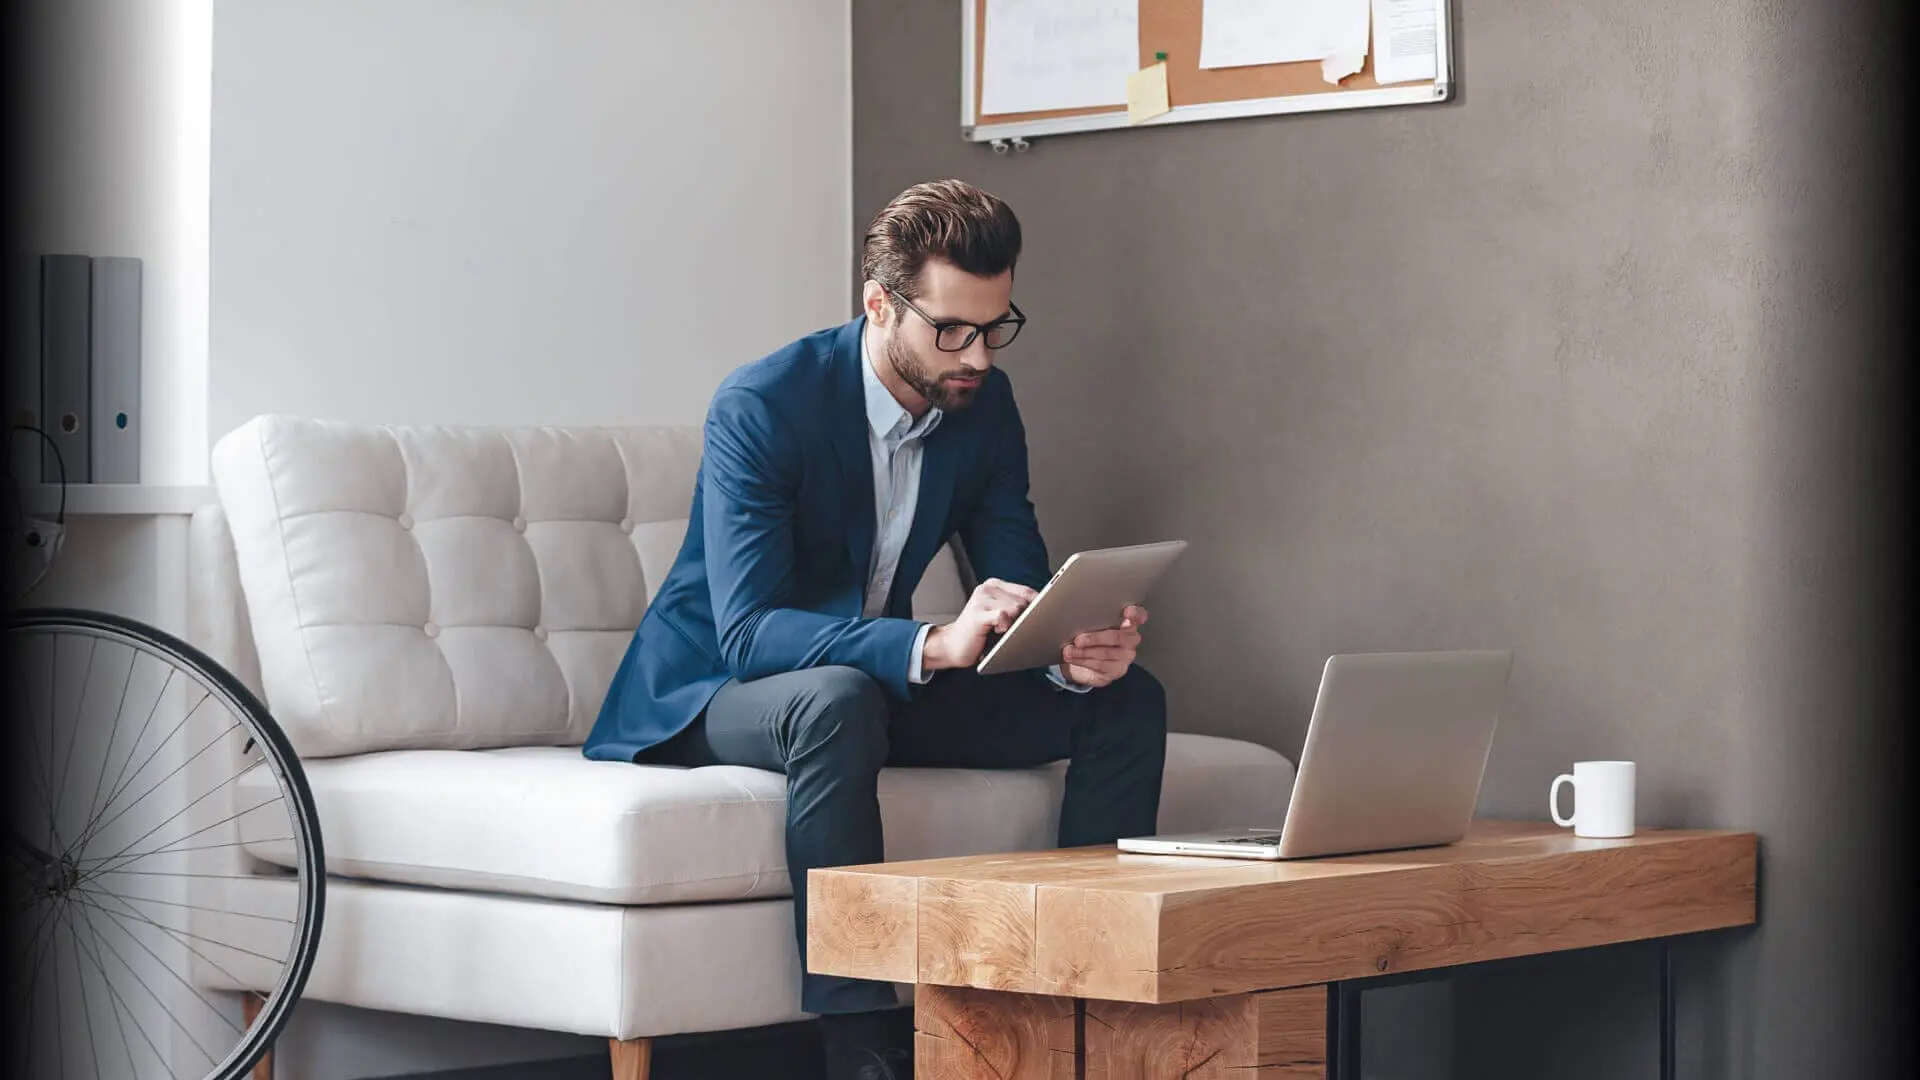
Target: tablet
[1088,593]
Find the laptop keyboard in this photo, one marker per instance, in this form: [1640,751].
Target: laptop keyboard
[1263,841]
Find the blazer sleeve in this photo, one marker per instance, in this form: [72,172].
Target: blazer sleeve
[1002,535]
[750,487]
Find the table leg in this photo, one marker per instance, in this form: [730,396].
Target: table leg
[1667,1004]
[963,1033]
[1343,1031]
[1279,1033]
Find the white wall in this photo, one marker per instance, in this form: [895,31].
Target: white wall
[520,211]
[514,211]
[117,102]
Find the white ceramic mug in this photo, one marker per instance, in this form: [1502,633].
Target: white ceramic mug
[1602,798]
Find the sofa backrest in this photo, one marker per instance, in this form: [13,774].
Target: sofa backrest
[458,588]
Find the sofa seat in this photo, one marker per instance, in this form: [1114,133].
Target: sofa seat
[543,821]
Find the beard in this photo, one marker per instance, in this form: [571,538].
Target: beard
[928,380]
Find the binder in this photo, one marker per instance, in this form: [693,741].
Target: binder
[65,326]
[22,405]
[114,370]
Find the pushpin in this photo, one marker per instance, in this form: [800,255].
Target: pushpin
[1159,56]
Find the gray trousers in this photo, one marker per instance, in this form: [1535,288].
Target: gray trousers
[832,729]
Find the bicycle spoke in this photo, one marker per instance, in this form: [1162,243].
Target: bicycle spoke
[119,710]
[33,939]
[194,990]
[86,1011]
[183,874]
[131,750]
[151,758]
[53,733]
[181,812]
[162,850]
[33,976]
[120,919]
[92,898]
[59,1024]
[33,999]
[127,898]
[230,729]
[33,737]
[158,1000]
[137,1025]
[133,1070]
[73,740]
[171,850]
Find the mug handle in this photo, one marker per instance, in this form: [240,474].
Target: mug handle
[1553,799]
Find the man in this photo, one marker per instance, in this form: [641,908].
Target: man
[783,637]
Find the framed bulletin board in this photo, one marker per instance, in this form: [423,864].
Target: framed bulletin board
[1173,28]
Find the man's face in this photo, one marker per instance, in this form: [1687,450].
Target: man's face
[946,380]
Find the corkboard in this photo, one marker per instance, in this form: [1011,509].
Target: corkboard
[1173,27]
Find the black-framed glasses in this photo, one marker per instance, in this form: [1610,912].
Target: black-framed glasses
[953,335]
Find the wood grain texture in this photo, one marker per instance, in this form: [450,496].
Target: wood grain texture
[976,933]
[862,924]
[1269,1036]
[632,1058]
[963,1034]
[1156,929]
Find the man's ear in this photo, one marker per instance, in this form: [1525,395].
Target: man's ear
[873,301]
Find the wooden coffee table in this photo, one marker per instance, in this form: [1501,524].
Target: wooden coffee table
[1093,963]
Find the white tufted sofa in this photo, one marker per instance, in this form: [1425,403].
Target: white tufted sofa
[433,615]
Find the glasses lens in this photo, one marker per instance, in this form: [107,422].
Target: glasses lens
[1000,334]
[954,338]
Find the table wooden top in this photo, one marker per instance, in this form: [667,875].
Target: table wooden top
[1100,923]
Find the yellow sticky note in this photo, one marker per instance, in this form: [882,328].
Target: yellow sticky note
[1147,93]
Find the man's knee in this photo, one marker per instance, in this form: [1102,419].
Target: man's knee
[842,712]
[1145,700]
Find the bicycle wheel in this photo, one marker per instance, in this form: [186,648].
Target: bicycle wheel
[164,873]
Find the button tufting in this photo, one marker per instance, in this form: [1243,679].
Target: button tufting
[406,520]
[626,526]
[540,633]
[519,523]
[432,630]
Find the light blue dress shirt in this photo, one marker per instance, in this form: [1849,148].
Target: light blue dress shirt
[895,442]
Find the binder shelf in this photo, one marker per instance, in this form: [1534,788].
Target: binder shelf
[86,500]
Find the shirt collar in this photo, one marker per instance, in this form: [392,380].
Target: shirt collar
[884,411]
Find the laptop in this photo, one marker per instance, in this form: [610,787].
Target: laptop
[1395,752]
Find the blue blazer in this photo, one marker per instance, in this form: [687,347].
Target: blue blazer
[772,575]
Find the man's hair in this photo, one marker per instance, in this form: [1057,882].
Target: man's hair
[946,219]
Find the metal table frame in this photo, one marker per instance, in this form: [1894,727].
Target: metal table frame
[1343,1009]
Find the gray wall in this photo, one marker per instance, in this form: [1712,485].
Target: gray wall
[1572,364]
[520,212]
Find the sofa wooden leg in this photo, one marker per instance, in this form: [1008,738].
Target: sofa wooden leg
[250,1005]
[632,1058]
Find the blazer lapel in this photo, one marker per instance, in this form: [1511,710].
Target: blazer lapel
[849,436]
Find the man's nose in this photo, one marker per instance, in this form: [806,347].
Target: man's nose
[977,357]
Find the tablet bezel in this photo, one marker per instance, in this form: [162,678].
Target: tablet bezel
[1084,561]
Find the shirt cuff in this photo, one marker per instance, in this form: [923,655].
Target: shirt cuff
[915,672]
[1060,680]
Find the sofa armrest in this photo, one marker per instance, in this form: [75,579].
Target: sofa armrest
[217,621]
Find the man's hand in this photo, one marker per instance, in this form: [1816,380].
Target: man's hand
[991,609]
[1102,656]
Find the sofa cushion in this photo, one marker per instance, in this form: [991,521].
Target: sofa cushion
[544,821]
[454,588]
